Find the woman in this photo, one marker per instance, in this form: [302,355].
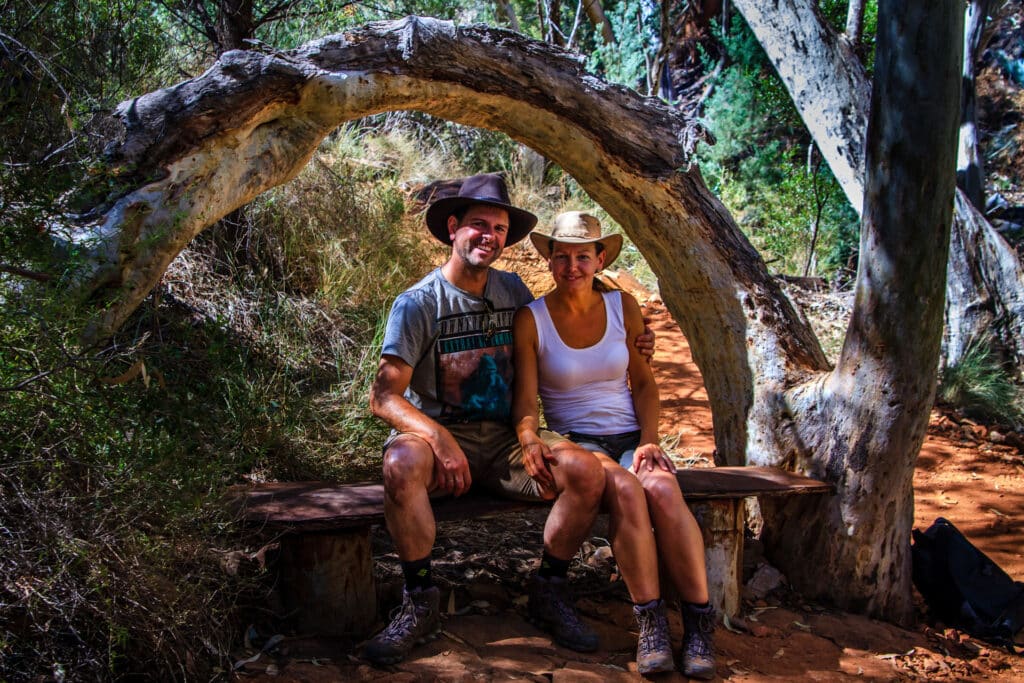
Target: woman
[573,347]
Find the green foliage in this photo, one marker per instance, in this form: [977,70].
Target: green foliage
[625,61]
[761,169]
[981,386]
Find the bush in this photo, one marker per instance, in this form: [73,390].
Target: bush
[981,386]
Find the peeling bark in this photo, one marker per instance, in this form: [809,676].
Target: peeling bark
[970,171]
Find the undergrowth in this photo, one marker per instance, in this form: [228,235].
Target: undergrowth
[251,360]
[981,386]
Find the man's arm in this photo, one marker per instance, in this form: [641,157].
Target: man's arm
[644,342]
[388,402]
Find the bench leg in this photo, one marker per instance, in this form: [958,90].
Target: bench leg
[721,522]
[327,582]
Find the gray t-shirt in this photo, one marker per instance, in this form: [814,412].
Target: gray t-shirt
[459,346]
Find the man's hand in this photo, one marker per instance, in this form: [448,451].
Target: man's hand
[537,461]
[645,342]
[650,456]
[451,469]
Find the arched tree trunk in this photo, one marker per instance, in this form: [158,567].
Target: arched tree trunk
[206,146]
[194,152]
[829,87]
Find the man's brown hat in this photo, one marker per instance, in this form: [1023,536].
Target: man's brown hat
[486,188]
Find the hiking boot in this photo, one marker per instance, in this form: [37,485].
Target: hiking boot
[653,646]
[698,655]
[550,608]
[417,621]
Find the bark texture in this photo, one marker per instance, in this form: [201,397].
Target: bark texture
[862,425]
[830,89]
[196,151]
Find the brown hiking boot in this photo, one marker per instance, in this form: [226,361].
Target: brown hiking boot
[698,655]
[418,621]
[551,609]
[653,646]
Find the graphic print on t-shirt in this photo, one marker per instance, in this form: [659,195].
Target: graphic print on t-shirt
[474,366]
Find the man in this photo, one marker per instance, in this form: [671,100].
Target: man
[444,385]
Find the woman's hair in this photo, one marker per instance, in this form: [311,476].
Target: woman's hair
[596,283]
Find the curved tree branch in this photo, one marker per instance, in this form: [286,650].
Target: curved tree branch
[196,151]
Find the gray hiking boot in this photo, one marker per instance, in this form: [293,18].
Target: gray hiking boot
[551,609]
[417,621]
[654,646]
[698,653]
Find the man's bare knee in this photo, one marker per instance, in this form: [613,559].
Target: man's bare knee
[407,466]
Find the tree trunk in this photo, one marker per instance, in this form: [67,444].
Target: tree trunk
[986,280]
[862,425]
[194,152]
[829,87]
[970,171]
[235,24]
[827,82]
[595,12]
[854,23]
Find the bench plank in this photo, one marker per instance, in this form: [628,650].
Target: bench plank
[312,506]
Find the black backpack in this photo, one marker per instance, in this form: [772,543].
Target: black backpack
[964,588]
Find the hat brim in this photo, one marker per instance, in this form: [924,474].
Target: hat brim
[612,244]
[521,222]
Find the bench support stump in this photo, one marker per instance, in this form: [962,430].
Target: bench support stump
[327,582]
[722,522]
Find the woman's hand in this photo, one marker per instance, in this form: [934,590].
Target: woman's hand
[536,455]
[651,456]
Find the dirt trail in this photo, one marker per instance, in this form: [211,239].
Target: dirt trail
[482,565]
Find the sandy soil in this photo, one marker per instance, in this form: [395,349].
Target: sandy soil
[964,473]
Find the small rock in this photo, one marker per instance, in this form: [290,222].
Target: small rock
[765,580]
[996,437]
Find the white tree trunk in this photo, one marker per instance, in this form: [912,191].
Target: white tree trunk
[825,79]
[862,425]
[970,171]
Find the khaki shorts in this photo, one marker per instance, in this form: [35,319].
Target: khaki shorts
[496,458]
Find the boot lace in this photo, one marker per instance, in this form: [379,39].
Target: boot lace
[652,638]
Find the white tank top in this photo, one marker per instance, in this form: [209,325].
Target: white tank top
[585,390]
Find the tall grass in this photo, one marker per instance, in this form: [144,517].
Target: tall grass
[252,360]
[981,386]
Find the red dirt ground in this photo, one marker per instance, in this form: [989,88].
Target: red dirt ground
[964,473]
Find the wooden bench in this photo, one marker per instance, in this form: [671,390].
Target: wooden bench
[327,566]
